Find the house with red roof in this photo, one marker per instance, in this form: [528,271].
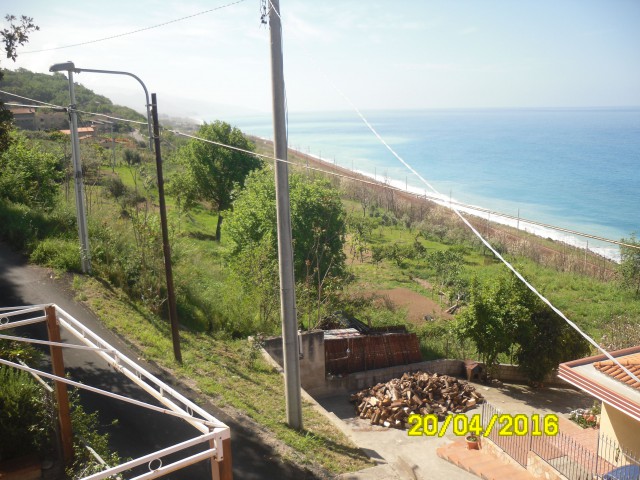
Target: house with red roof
[619,392]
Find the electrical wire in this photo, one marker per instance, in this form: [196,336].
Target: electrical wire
[11,104]
[30,99]
[112,117]
[134,31]
[436,199]
[478,234]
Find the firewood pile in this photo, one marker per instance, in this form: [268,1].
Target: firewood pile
[390,404]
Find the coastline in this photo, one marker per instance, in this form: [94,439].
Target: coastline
[596,247]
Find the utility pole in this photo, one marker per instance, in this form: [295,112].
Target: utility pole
[166,249]
[285,249]
[83,231]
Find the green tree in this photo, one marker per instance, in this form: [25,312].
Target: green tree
[214,173]
[317,224]
[505,317]
[545,341]
[492,317]
[15,35]
[630,263]
[29,175]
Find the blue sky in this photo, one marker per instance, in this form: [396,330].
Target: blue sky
[381,54]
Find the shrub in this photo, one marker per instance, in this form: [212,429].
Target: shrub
[25,414]
[58,253]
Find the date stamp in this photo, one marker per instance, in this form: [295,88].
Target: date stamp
[506,425]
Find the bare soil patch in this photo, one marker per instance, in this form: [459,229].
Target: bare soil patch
[417,305]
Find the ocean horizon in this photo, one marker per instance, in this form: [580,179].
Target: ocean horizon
[574,168]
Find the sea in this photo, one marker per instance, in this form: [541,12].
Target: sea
[574,168]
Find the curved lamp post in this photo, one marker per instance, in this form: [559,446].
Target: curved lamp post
[154,138]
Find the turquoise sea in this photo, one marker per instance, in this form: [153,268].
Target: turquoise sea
[574,168]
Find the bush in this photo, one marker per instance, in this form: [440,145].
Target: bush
[58,253]
[26,415]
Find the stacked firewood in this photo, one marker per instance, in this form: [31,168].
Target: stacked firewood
[390,404]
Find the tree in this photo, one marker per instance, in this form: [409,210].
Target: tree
[630,263]
[505,317]
[492,317]
[214,173]
[318,230]
[16,35]
[29,175]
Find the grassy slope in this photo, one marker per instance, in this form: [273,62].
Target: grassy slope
[222,369]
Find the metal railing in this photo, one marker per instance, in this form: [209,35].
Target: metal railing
[562,452]
[516,446]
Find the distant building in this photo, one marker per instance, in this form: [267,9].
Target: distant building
[27,118]
[24,118]
[51,120]
[83,132]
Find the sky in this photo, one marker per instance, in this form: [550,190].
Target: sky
[377,54]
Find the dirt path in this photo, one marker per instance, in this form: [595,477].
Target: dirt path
[417,305]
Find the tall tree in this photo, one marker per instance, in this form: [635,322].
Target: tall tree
[15,35]
[318,224]
[214,173]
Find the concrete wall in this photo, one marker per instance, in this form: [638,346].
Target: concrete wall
[312,369]
[312,361]
[511,374]
[620,428]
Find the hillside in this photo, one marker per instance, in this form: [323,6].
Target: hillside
[55,89]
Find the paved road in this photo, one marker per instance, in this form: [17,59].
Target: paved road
[138,431]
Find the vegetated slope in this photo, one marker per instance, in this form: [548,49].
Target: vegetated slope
[55,89]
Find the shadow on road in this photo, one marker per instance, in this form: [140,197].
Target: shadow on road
[138,431]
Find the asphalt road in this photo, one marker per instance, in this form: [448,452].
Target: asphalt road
[138,431]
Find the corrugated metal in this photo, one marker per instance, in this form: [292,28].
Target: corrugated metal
[367,352]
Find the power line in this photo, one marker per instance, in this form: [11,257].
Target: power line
[11,104]
[112,117]
[135,31]
[480,237]
[30,99]
[432,198]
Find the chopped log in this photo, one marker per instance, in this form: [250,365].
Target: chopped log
[390,404]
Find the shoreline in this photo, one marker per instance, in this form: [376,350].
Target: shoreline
[411,194]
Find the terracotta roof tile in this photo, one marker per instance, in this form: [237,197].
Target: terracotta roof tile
[631,362]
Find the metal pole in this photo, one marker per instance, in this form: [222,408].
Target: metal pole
[173,311]
[83,232]
[285,250]
[146,93]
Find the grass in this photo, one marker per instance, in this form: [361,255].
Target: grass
[227,372]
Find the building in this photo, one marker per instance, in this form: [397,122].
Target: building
[83,132]
[51,120]
[619,392]
[24,117]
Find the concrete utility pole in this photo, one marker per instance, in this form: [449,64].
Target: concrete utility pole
[83,231]
[285,249]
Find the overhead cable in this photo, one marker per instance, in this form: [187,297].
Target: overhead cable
[478,234]
[134,31]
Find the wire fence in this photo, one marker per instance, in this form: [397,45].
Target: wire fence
[607,460]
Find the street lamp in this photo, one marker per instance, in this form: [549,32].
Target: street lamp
[83,232]
[154,139]
[144,87]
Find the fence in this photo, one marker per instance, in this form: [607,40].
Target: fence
[517,447]
[367,352]
[576,462]
[560,451]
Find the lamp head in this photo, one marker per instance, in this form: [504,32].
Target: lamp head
[60,67]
